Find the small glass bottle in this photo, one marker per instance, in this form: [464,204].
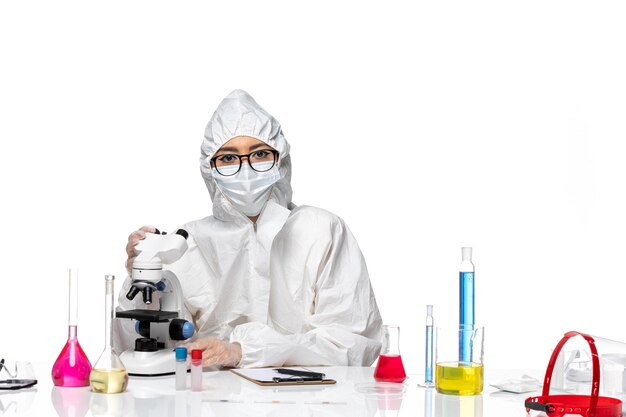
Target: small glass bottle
[389,367]
[72,367]
[109,375]
[181,368]
[196,370]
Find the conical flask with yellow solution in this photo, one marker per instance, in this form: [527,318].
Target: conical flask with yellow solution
[108,375]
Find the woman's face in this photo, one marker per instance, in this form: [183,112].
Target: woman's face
[237,153]
[240,150]
[241,145]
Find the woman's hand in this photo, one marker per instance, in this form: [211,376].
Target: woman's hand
[217,352]
[133,240]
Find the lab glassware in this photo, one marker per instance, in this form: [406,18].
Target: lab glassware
[453,376]
[466,304]
[109,375]
[428,349]
[390,367]
[72,367]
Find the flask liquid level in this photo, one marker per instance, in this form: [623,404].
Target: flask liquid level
[72,367]
[459,378]
[389,369]
[108,381]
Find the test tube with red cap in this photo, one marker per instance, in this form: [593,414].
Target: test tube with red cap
[196,370]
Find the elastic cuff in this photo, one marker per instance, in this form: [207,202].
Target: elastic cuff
[233,340]
[238,364]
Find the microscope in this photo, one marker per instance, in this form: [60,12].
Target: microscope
[159,330]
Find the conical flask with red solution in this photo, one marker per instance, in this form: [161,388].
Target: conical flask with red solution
[390,367]
[72,367]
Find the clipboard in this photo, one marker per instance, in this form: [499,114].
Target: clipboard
[265,377]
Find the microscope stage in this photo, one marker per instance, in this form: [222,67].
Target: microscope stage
[147,315]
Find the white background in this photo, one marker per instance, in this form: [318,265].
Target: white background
[426,126]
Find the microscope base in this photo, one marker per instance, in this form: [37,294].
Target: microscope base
[159,363]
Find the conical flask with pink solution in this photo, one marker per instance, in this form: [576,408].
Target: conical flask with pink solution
[72,367]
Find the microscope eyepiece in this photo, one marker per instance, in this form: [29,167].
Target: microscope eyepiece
[183,233]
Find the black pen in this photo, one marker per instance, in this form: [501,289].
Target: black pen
[297,379]
[309,374]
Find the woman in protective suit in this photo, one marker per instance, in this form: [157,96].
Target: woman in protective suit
[265,282]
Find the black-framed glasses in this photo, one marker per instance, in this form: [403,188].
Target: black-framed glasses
[260,160]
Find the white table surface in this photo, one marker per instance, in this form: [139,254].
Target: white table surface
[225,394]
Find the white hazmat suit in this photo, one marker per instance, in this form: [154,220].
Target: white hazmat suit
[292,289]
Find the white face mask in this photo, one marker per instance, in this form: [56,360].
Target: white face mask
[248,190]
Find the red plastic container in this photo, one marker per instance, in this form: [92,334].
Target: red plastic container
[585,405]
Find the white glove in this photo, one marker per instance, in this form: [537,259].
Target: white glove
[133,240]
[217,352]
